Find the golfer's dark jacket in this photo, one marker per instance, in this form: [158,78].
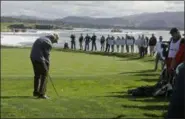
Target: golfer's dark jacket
[41,50]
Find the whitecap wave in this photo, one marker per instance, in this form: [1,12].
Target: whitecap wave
[16,40]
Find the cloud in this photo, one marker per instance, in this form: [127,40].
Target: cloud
[59,9]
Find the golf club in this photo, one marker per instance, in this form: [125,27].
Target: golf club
[52,84]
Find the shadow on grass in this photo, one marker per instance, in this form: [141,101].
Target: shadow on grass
[148,107]
[152,115]
[120,96]
[141,71]
[149,79]
[123,95]
[156,99]
[121,92]
[130,56]
[148,74]
[119,116]
[17,97]
[150,60]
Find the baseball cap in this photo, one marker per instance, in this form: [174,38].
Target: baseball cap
[174,30]
[54,36]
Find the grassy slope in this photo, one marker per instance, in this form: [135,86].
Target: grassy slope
[4,26]
[89,86]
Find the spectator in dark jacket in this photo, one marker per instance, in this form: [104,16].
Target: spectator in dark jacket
[107,44]
[73,42]
[142,53]
[87,41]
[93,42]
[152,43]
[122,46]
[176,106]
[81,41]
[40,60]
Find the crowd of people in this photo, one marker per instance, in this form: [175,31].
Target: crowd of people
[106,46]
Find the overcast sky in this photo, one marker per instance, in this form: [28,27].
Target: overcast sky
[60,9]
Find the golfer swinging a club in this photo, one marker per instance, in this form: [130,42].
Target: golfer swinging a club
[40,60]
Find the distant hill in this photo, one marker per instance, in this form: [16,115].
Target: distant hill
[145,20]
[162,20]
[25,17]
[30,19]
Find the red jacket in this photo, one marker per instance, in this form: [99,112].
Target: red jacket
[180,56]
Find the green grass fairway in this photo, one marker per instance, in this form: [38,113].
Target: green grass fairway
[90,86]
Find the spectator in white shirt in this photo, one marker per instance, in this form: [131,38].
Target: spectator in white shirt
[159,56]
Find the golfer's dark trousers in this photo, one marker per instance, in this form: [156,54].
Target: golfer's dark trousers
[40,75]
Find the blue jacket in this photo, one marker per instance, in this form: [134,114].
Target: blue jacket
[41,50]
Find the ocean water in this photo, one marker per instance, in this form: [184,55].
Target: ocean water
[27,38]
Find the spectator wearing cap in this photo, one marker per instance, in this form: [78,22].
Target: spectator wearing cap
[152,44]
[159,56]
[39,56]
